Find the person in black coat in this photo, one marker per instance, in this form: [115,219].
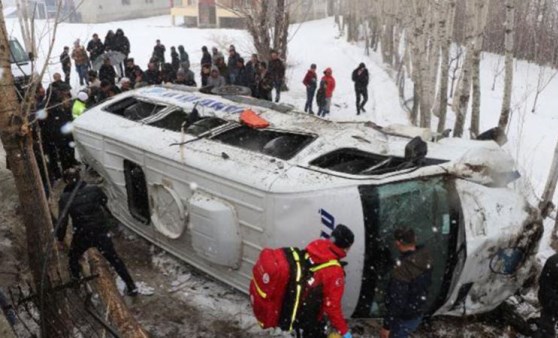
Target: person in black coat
[66,62]
[132,70]
[206,57]
[548,298]
[109,41]
[251,72]
[159,52]
[265,83]
[107,72]
[361,78]
[121,44]
[276,69]
[232,65]
[175,59]
[95,48]
[152,76]
[407,291]
[241,77]
[89,213]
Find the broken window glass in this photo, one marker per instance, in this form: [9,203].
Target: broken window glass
[357,162]
[204,125]
[176,120]
[426,206]
[274,143]
[134,109]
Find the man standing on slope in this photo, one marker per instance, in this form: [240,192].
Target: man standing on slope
[407,291]
[325,287]
[311,83]
[276,69]
[361,79]
[328,83]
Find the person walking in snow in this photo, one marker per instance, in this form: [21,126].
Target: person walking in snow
[328,85]
[311,83]
[66,63]
[276,68]
[548,299]
[324,290]
[88,210]
[361,78]
[407,291]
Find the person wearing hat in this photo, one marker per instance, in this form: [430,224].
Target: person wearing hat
[361,79]
[407,291]
[324,290]
[87,207]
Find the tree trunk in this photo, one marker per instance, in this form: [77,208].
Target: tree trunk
[508,64]
[119,314]
[461,104]
[446,29]
[17,140]
[481,15]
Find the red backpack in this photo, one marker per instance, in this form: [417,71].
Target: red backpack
[278,283]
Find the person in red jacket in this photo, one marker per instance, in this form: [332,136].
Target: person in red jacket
[329,85]
[311,83]
[326,286]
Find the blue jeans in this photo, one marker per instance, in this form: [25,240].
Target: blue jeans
[310,92]
[82,72]
[400,328]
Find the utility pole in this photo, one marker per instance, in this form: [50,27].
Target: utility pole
[17,140]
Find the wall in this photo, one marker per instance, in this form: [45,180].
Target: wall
[95,11]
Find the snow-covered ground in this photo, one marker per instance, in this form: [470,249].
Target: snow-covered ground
[532,135]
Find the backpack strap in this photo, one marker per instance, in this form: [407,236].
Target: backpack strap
[333,262]
[298,258]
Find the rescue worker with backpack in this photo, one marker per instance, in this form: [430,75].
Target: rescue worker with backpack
[295,289]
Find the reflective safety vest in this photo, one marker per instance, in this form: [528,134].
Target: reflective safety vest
[78,108]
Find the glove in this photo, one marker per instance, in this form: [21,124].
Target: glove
[348,335]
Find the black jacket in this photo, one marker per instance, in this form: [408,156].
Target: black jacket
[95,49]
[159,53]
[120,43]
[65,61]
[87,210]
[548,285]
[206,59]
[108,73]
[407,292]
[276,69]
[361,80]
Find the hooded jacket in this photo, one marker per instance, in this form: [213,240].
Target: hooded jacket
[218,81]
[360,77]
[331,280]
[330,82]
[407,291]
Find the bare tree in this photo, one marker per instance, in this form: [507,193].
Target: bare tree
[508,64]
[546,75]
[267,23]
[446,29]
[481,9]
